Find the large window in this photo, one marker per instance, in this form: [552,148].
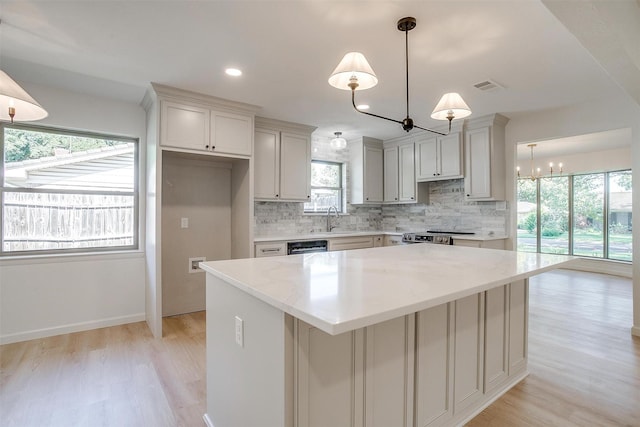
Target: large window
[326,186]
[66,191]
[586,215]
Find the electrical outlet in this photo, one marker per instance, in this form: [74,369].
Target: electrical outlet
[239,331]
[184,222]
[193,264]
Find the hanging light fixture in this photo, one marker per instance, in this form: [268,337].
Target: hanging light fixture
[16,102]
[338,143]
[354,73]
[536,172]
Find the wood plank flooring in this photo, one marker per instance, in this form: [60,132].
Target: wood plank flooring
[584,364]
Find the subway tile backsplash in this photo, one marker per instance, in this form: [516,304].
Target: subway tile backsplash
[446,210]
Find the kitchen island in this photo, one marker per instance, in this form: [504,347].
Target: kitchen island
[410,335]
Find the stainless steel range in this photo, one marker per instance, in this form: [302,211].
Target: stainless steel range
[432,236]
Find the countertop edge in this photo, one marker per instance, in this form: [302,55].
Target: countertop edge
[327,236]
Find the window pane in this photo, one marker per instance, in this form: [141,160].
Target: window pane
[325,175]
[620,216]
[527,215]
[323,199]
[554,215]
[588,215]
[49,221]
[38,159]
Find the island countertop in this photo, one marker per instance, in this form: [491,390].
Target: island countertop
[342,291]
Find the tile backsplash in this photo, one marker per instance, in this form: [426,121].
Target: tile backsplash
[446,210]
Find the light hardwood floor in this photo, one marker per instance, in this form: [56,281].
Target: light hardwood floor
[584,364]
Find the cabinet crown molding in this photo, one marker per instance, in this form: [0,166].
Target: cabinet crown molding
[488,120]
[281,125]
[180,95]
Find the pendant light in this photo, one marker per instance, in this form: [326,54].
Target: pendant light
[16,104]
[338,143]
[354,73]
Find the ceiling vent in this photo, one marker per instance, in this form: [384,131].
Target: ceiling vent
[487,86]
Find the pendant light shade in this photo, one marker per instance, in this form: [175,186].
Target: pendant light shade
[451,105]
[354,67]
[16,104]
[338,143]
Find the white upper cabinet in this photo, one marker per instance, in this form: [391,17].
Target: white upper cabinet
[391,174]
[439,157]
[282,166]
[200,127]
[485,158]
[231,133]
[399,173]
[366,155]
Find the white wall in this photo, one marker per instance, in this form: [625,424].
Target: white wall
[45,296]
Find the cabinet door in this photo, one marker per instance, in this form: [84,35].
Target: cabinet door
[469,351]
[231,133]
[477,180]
[450,156]
[329,378]
[434,366]
[373,174]
[518,326]
[267,164]
[496,333]
[184,126]
[391,174]
[426,155]
[406,173]
[295,167]
[389,373]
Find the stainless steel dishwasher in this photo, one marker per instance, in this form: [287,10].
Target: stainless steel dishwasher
[307,247]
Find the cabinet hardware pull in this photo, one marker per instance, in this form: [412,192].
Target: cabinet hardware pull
[270,250]
[206,146]
[277,195]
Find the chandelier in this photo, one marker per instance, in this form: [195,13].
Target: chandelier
[16,102]
[354,73]
[536,172]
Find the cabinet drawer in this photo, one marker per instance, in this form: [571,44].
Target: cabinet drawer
[346,243]
[270,249]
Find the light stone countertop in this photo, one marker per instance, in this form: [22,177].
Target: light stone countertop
[342,291]
[337,234]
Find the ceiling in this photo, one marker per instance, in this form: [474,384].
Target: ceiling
[288,49]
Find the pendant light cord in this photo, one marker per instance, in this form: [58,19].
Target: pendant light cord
[406,64]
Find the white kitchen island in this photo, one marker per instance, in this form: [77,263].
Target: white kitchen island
[416,335]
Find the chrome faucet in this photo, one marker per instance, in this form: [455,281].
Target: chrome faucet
[329,226]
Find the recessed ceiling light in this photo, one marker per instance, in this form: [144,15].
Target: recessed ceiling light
[233,72]
[363,107]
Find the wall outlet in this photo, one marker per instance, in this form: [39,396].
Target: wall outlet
[239,331]
[184,222]
[193,264]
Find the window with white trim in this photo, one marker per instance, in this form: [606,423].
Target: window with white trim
[326,187]
[65,191]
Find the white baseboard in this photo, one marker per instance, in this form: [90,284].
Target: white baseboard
[70,328]
[615,268]
[635,330]
[207,420]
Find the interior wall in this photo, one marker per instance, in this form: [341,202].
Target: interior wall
[198,190]
[45,295]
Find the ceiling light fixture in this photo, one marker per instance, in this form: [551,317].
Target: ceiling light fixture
[535,172]
[354,73]
[16,103]
[338,143]
[233,72]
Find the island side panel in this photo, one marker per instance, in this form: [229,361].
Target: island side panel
[247,385]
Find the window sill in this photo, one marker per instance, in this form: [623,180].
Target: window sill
[72,257]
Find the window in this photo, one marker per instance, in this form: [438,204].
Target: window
[65,191]
[326,186]
[586,215]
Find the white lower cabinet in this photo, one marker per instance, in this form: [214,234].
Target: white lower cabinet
[328,387]
[436,367]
